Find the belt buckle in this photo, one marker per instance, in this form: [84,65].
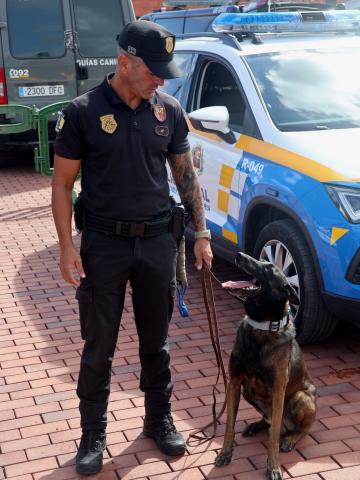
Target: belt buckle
[137,229]
[274,326]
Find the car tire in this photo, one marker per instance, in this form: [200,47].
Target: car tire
[282,243]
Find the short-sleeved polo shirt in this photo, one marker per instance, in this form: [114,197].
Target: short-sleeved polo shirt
[122,151]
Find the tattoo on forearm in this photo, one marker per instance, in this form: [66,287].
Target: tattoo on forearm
[188,187]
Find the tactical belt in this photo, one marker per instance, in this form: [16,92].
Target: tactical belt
[149,228]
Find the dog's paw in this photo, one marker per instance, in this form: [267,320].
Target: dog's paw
[249,431]
[224,458]
[274,474]
[287,444]
[255,427]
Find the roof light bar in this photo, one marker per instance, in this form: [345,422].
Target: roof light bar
[278,22]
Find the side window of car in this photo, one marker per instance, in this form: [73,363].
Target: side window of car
[175,86]
[216,86]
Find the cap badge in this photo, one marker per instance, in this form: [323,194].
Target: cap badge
[159,112]
[131,50]
[169,44]
[108,123]
[162,130]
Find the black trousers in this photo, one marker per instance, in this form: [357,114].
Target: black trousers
[111,261]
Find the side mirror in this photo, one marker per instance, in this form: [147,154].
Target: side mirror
[213,119]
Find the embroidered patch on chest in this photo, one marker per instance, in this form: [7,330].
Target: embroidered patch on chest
[108,123]
[162,130]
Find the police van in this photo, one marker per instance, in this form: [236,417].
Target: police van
[54,50]
[273,102]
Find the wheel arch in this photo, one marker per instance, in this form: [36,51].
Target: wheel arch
[262,211]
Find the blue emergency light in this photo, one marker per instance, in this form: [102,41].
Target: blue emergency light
[279,22]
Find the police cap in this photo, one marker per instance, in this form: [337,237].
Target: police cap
[153,44]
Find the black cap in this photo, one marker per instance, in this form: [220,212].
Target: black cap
[153,44]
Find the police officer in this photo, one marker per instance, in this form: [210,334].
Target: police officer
[121,133]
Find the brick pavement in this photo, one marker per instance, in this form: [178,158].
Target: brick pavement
[40,348]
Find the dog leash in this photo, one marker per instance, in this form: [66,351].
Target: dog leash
[208,293]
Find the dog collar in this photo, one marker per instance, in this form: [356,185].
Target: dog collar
[274,326]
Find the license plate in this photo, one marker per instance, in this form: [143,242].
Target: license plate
[41,91]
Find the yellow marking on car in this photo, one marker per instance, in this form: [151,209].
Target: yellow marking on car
[287,158]
[232,236]
[337,233]
[226,176]
[223,200]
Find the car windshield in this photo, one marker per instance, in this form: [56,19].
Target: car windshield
[309,89]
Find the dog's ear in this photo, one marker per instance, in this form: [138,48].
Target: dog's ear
[292,295]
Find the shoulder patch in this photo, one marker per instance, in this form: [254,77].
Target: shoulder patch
[60,122]
[159,112]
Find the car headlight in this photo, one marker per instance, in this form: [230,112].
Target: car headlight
[347,201]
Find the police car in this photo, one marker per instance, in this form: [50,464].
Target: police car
[273,102]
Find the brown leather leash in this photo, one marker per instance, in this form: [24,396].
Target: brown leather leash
[208,293]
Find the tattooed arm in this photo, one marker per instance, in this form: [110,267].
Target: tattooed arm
[189,190]
[188,187]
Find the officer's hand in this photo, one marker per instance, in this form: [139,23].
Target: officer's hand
[203,253]
[71,265]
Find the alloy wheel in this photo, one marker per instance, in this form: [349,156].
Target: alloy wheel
[278,254]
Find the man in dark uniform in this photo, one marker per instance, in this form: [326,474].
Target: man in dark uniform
[121,133]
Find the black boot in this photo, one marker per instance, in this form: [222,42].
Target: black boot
[163,431]
[89,459]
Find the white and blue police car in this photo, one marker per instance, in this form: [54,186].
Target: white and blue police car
[273,101]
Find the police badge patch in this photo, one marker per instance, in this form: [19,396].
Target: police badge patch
[108,123]
[60,122]
[159,112]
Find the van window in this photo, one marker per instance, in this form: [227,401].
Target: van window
[174,25]
[36,28]
[199,23]
[97,26]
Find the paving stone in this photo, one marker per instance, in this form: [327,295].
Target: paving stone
[40,347]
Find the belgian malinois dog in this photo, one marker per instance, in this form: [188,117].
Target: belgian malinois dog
[266,363]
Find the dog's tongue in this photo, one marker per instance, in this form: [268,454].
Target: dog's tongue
[238,284]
